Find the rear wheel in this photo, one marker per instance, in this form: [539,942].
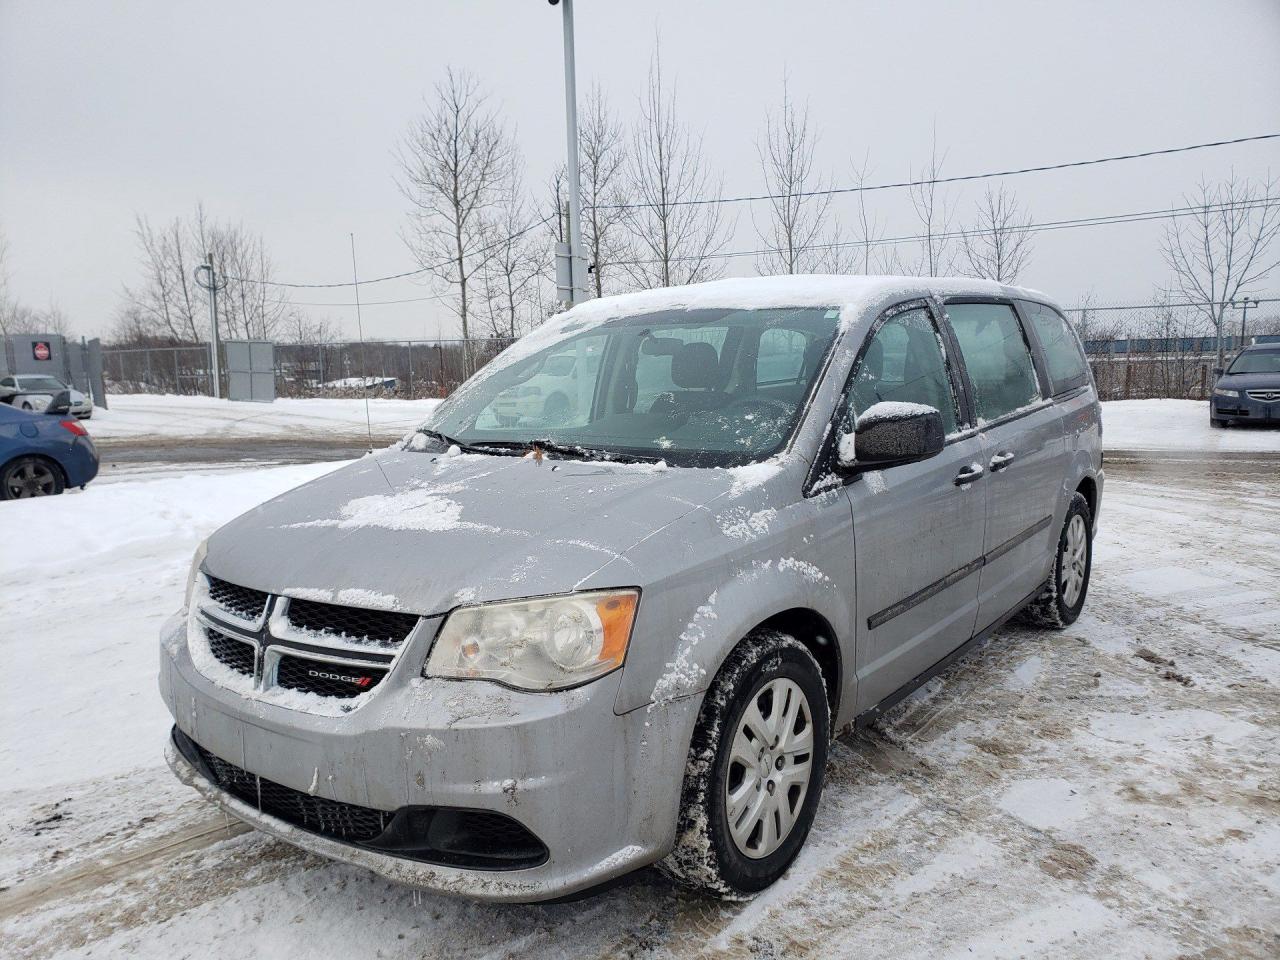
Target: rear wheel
[755,769]
[30,477]
[1063,598]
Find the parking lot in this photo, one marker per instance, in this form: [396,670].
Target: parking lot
[1107,790]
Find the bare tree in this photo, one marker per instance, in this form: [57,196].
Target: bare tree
[455,162]
[935,211]
[675,220]
[510,274]
[602,150]
[868,250]
[1224,247]
[168,303]
[801,234]
[999,244]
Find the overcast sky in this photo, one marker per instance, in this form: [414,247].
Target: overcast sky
[284,115]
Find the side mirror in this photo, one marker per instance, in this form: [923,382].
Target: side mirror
[1218,371]
[60,405]
[891,434]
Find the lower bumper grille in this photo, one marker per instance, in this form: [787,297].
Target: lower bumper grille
[475,839]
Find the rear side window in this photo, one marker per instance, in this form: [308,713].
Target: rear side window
[903,361]
[1062,353]
[996,356]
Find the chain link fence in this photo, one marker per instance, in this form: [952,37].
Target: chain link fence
[1135,352]
[408,369]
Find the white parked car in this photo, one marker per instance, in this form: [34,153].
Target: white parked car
[34,391]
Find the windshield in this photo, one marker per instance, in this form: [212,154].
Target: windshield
[40,383]
[707,387]
[1256,361]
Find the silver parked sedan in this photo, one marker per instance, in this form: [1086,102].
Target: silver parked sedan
[528,652]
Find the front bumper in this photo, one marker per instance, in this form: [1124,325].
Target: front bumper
[1245,408]
[600,790]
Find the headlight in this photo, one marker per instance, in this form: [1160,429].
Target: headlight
[1224,392]
[546,644]
[196,561]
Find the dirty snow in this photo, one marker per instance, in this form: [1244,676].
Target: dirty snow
[1053,795]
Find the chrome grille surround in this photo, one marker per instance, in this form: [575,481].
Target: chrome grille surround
[1264,395]
[274,637]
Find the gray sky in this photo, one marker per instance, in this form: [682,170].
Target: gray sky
[283,115]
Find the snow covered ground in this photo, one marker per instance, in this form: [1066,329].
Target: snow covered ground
[158,417]
[1177,425]
[1106,791]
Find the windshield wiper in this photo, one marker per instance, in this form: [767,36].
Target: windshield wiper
[448,441]
[574,450]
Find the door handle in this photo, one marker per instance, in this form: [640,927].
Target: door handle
[969,474]
[1001,460]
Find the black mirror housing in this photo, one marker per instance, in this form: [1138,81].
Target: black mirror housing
[891,434]
[60,405]
[1218,371]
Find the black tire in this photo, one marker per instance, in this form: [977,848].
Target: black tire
[1214,422]
[1052,608]
[30,477]
[706,855]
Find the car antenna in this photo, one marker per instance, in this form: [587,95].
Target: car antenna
[364,382]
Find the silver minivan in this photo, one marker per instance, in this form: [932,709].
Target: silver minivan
[522,654]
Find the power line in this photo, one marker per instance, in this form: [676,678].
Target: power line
[939,180]
[1161,306]
[395,276]
[772,196]
[1097,221]
[1101,220]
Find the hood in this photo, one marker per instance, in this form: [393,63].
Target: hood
[1248,381]
[424,533]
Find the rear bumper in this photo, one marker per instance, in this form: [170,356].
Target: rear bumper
[600,791]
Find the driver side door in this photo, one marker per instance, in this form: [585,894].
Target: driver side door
[918,528]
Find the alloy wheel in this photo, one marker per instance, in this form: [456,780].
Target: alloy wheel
[770,764]
[31,479]
[1074,559]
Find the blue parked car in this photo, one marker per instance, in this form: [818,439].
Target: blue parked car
[44,453]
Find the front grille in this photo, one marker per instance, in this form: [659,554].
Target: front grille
[1266,395]
[342,821]
[245,603]
[230,652]
[354,623]
[341,680]
[477,839]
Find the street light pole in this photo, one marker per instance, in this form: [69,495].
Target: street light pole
[1243,306]
[577,259]
[207,277]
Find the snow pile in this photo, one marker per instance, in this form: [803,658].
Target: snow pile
[1177,425]
[143,416]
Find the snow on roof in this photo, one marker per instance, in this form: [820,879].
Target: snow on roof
[791,291]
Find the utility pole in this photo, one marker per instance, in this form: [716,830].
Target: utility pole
[207,278]
[1243,306]
[571,262]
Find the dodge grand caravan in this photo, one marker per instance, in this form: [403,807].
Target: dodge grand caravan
[521,655]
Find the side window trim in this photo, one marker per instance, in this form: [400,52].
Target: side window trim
[824,460]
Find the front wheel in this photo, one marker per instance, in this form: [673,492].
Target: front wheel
[755,769]
[1063,598]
